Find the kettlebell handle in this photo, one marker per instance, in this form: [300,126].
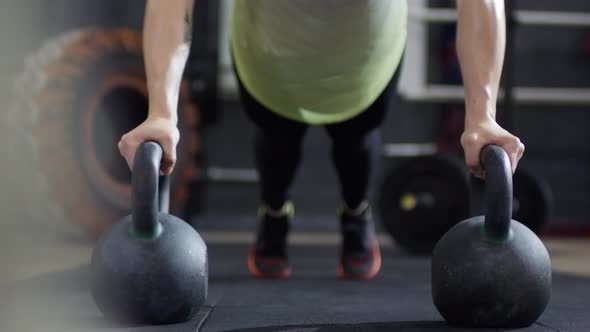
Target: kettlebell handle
[498,192]
[148,196]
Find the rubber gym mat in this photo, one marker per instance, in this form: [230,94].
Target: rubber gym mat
[314,299]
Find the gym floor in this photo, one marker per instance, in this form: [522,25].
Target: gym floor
[44,287]
[44,278]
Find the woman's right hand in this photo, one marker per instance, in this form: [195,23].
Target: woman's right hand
[159,129]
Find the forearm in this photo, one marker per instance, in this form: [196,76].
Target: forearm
[166,32]
[481,40]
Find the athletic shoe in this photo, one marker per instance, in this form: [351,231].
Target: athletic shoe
[360,257]
[268,257]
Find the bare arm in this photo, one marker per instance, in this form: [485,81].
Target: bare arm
[166,33]
[481,40]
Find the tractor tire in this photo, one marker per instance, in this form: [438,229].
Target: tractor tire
[75,99]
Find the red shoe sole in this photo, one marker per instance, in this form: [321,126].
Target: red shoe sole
[283,274]
[376,252]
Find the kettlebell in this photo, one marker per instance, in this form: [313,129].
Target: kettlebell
[150,267]
[491,271]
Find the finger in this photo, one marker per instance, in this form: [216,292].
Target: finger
[126,151]
[472,147]
[478,172]
[513,162]
[169,158]
[166,167]
[512,157]
[521,149]
[512,147]
[518,155]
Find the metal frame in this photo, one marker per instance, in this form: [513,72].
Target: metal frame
[414,84]
[521,17]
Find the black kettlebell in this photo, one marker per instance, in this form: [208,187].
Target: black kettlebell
[151,267]
[491,271]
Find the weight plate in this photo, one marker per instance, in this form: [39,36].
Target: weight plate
[422,199]
[533,200]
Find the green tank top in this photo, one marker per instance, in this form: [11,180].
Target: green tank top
[317,61]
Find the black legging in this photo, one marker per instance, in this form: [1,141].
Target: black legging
[356,148]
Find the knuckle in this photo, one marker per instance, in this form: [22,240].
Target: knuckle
[513,140]
[123,146]
[168,139]
[125,138]
[511,144]
[470,139]
[125,141]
